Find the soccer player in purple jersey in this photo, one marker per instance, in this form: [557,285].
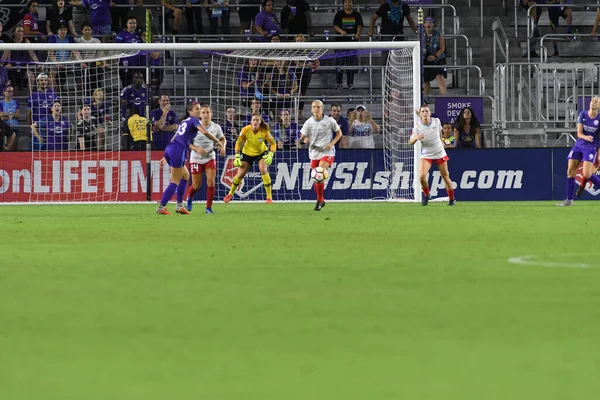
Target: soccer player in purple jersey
[584,149]
[175,154]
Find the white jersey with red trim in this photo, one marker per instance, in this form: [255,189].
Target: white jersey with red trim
[206,144]
[320,134]
[431,144]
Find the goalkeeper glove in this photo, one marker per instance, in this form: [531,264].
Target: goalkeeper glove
[268,158]
[238,161]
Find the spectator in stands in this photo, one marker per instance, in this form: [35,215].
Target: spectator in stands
[40,101]
[435,55]
[555,14]
[193,10]
[361,129]
[249,80]
[295,18]
[4,38]
[255,108]
[350,112]
[31,28]
[247,14]
[219,9]
[336,114]
[156,63]
[9,114]
[99,15]
[134,96]
[128,65]
[94,69]
[164,123]
[51,132]
[59,15]
[536,12]
[287,133]
[266,22]
[392,14]
[136,125]
[119,10]
[275,38]
[172,12]
[447,136]
[283,85]
[467,130]
[61,56]
[86,130]
[17,61]
[304,71]
[99,108]
[348,24]
[231,128]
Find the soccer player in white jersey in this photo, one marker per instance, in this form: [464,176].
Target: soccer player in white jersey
[203,161]
[317,132]
[429,132]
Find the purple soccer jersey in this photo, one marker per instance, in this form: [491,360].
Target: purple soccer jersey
[55,133]
[184,136]
[100,11]
[162,138]
[135,98]
[39,103]
[129,37]
[583,150]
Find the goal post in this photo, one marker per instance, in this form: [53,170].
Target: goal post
[108,174]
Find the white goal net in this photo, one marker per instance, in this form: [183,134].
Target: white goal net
[79,104]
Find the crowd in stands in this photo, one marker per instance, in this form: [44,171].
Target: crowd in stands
[266,86]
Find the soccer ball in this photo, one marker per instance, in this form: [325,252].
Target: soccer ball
[319,174]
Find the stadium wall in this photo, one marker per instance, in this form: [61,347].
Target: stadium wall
[481,175]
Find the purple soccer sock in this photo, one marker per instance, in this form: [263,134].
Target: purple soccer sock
[570,188]
[181,190]
[168,193]
[595,179]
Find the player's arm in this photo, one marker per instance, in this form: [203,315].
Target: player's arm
[580,134]
[272,143]
[35,130]
[223,146]
[239,143]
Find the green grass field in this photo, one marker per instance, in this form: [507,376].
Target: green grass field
[361,301]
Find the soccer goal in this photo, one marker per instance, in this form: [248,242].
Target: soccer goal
[76,129]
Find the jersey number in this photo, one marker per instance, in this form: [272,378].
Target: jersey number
[182,128]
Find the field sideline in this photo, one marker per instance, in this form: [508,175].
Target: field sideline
[378,301]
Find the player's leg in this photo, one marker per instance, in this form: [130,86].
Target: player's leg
[211,174]
[568,15]
[424,167]
[574,161]
[176,20]
[443,167]
[196,171]
[185,177]
[266,178]
[319,187]
[589,172]
[247,161]
[170,189]
[554,16]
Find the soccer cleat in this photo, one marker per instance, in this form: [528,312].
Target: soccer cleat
[322,204]
[227,198]
[162,211]
[452,203]
[182,211]
[566,203]
[209,211]
[269,201]
[424,200]
[579,191]
[188,204]
[318,206]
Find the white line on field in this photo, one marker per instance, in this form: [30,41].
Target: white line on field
[534,260]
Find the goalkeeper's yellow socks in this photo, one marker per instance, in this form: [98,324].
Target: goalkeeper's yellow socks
[235,184]
[267,181]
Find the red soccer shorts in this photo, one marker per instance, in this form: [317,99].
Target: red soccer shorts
[327,159]
[437,161]
[196,168]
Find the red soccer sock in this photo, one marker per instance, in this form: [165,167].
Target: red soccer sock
[584,182]
[210,196]
[191,192]
[426,191]
[450,193]
[320,190]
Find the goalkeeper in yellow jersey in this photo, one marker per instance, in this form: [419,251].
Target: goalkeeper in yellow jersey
[254,138]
